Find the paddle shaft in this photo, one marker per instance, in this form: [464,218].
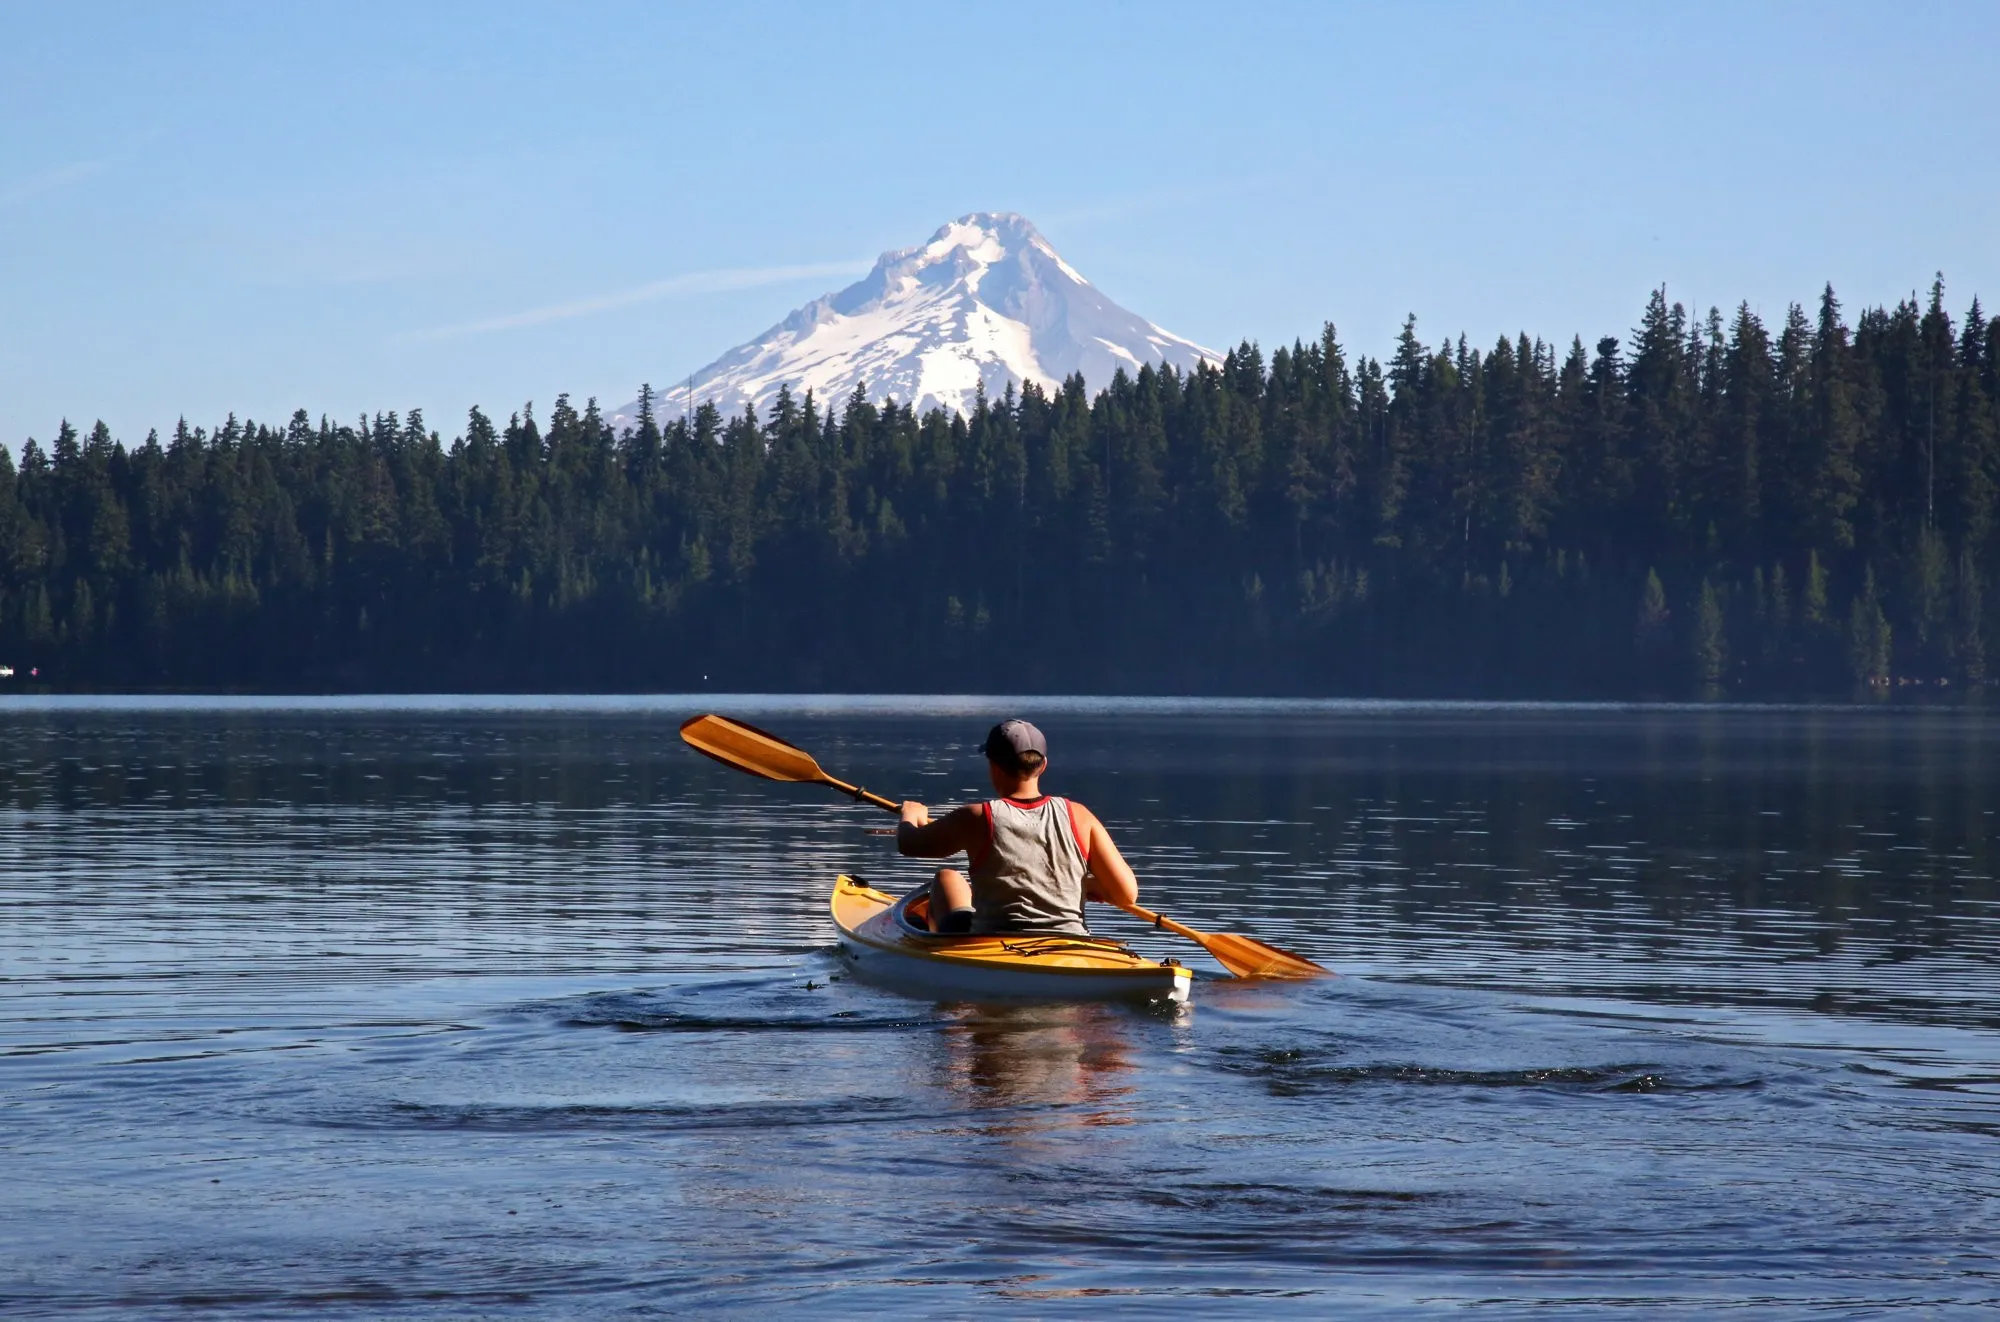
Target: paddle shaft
[863,796]
[1161,920]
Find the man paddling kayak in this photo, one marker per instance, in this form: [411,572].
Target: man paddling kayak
[1034,859]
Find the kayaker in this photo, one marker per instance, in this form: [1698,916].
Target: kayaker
[1034,859]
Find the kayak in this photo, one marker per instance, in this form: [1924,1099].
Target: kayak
[889,940]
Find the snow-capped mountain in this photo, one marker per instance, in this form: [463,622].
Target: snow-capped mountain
[986,301]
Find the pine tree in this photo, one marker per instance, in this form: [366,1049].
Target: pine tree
[1814,613]
[1653,613]
[38,622]
[1710,651]
[1736,474]
[1778,622]
[1975,466]
[1832,482]
[1968,637]
[1661,411]
[1868,636]
[1930,589]
[1399,436]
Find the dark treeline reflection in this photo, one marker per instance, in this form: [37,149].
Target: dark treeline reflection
[1711,504]
[1481,843]
[1824,813]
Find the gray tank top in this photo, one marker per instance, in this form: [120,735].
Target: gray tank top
[1029,877]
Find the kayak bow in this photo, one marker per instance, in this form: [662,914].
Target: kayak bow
[887,940]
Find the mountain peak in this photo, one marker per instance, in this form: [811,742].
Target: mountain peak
[985,302]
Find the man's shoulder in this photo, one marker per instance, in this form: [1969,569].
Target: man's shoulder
[1083,816]
[967,813]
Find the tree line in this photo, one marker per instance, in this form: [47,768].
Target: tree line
[1710,505]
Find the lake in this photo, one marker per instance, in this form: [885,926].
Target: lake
[516,1007]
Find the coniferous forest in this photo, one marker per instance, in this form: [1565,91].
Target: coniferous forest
[1708,506]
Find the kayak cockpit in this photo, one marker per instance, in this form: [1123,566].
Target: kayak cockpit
[912,916]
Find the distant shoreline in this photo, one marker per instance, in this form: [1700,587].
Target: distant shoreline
[920,703]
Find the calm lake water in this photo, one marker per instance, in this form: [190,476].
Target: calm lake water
[445,1008]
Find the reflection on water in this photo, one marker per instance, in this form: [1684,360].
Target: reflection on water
[516,1007]
[1073,1059]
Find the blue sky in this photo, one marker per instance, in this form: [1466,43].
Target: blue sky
[352,207]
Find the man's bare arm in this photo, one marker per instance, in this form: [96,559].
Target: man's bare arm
[957,832]
[1111,880]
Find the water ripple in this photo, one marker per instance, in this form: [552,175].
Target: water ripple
[441,1009]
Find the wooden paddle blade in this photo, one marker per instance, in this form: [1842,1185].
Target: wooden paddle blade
[747,748]
[1247,957]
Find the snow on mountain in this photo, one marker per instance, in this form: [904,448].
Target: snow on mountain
[986,302]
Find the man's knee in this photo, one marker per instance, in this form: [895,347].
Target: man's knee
[951,902]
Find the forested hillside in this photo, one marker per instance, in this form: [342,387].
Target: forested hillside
[1709,505]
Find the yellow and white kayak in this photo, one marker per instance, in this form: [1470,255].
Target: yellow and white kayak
[888,940]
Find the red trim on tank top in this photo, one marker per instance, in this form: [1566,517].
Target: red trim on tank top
[1029,806]
[1076,832]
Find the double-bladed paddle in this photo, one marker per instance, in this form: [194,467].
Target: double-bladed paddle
[761,753]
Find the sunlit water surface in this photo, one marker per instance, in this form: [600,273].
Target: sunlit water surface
[450,1009]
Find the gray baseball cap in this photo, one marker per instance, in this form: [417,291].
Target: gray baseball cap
[1006,742]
